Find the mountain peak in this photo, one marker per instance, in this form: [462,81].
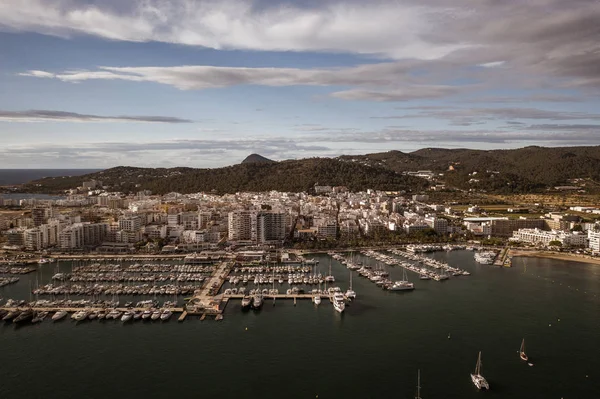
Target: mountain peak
[256,158]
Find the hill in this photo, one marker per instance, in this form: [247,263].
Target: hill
[523,170]
[293,175]
[503,171]
[256,158]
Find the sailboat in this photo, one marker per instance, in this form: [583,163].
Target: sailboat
[522,353]
[350,293]
[479,380]
[418,385]
[330,277]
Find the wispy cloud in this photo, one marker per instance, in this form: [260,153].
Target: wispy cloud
[61,116]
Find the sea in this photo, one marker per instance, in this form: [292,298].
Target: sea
[373,350]
[20,176]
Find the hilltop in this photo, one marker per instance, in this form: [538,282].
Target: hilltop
[256,158]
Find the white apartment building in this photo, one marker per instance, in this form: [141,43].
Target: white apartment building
[545,237]
[33,239]
[243,226]
[71,237]
[594,240]
[130,223]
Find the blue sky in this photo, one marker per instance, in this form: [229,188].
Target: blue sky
[204,83]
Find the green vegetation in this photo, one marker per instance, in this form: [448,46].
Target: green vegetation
[295,176]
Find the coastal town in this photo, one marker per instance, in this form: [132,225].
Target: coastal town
[90,220]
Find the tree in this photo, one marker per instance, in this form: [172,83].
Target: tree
[555,243]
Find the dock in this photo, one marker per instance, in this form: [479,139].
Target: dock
[182,316]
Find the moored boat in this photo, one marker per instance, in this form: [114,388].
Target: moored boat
[61,314]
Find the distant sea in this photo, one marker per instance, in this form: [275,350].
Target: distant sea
[20,176]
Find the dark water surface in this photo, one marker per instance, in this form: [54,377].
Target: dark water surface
[373,350]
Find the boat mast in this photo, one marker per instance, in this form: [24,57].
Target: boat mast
[418,385]
[522,350]
[478,367]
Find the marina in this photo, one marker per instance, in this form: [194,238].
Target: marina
[474,311]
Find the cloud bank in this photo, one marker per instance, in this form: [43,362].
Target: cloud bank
[61,116]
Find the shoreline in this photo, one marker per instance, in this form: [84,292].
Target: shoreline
[554,255]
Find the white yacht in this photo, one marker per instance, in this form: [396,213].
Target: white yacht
[147,314]
[338,302]
[317,299]
[81,315]
[166,315]
[127,316]
[257,301]
[402,285]
[479,380]
[155,315]
[246,301]
[59,315]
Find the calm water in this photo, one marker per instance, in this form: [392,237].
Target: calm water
[373,350]
[20,176]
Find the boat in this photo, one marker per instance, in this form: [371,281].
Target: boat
[330,278]
[246,301]
[418,396]
[93,315]
[478,380]
[59,315]
[522,353]
[128,315]
[350,293]
[24,316]
[80,315]
[257,301]
[101,315]
[11,315]
[402,285]
[219,317]
[317,299]
[113,314]
[166,315]
[39,316]
[137,315]
[155,315]
[147,314]
[338,302]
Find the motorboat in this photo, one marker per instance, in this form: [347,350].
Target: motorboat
[317,300]
[61,314]
[146,314]
[24,316]
[257,301]
[166,315]
[246,301]
[338,302]
[155,315]
[128,315]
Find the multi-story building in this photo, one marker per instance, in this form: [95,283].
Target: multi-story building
[535,236]
[71,237]
[506,227]
[594,240]
[130,223]
[33,239]
[15,237]
[243,226]
[440,225]
[271,226]
[39,216]
[94,233]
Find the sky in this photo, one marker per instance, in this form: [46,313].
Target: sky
[157,83]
